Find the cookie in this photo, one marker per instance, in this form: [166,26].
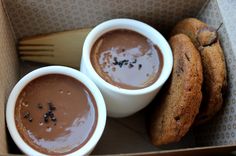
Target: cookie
[181,97]
[214,68]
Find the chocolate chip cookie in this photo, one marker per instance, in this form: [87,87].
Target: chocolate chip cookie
[206,41]
[181,97]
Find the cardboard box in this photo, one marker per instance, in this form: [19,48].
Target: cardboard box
[21,18]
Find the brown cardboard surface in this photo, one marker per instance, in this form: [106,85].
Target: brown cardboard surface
[203,151]
[222,130]
[228,12]
[30,17]
[8,71]
[127,135]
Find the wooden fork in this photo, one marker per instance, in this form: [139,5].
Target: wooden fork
[63,48]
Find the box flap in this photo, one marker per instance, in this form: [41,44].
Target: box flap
[222,129]
[8,71]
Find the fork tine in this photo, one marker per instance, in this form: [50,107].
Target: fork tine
[35,53]
[34,47]
[35,50]
[42,58]
[36,57]
[34,44]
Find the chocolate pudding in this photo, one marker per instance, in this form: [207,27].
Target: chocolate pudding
[56,114]
[126,59]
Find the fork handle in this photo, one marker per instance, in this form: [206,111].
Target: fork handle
[67,47]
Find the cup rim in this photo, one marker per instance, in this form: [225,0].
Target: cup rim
[10,108]
[137,26]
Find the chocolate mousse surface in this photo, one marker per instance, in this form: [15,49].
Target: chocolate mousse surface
[55,114]
[126,59]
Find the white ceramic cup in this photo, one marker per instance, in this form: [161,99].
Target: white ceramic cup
[124,102]
[85,149]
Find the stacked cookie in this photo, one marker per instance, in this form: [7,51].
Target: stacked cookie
[194,91]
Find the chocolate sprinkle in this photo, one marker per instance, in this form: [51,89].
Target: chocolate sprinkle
[46,115]
[49,114]
[135,60]
[131,65]
[54,119]
[26,115]
[30,119]
[139,66]
[115,61]
[51,107]
[120,63]
[45,119]
[40,106]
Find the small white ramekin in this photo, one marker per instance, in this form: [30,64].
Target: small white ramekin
[10,108]
[124,102]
